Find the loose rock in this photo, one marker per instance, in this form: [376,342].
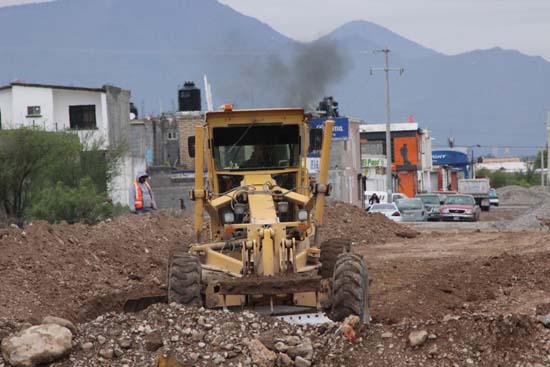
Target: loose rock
[417,338]
[37,345]
[260,355]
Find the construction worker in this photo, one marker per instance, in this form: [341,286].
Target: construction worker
[141,199]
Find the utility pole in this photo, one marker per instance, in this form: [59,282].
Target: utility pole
[542,167]
[387,70]
[547,145]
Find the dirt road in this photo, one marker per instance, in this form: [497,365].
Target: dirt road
[475,288]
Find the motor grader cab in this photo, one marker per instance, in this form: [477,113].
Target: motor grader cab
[259,247]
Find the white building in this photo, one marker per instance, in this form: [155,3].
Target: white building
[97,115]
[93,113]
[509,165]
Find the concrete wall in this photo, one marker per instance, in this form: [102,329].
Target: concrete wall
[141,140]
[118,114]
[120,184]
[166,151]
[171,191]
[345,166]
[6,102]
[23,97]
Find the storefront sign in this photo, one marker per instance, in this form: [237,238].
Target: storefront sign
[340,131]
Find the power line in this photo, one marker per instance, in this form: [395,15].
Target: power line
[497,146]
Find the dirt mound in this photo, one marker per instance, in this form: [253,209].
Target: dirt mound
[347,221]
[59,269]
[517,195]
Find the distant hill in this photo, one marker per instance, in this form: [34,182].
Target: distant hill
[487,97]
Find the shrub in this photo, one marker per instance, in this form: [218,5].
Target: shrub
[80,204]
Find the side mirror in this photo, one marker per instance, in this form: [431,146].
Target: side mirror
[191,146]
[315,139]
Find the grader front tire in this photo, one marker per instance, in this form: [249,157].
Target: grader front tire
[350,288]
[184,280]
[330,249]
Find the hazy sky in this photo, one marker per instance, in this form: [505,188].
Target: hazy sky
[449,26]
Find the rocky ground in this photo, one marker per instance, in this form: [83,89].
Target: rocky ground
[456,297]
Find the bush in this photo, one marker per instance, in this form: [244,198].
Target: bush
[80,204]
[37,167]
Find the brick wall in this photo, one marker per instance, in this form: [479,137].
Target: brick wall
[187,122]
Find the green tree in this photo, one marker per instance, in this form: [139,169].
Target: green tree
[28,159]
[501,178]
[35,163]
[537,162]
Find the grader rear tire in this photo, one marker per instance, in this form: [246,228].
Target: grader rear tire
[184,280]
[350,288]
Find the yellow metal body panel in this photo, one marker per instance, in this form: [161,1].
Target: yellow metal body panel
[199,180]
[323,170]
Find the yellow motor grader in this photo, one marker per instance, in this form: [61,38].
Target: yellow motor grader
[259,247]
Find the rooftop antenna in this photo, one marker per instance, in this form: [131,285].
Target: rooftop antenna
[451,141]
[208,93]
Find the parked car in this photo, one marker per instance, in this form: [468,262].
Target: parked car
[432,202]
[493,197]
[460,207]
[398,196]
[444,194]
[412,210]
[390,210]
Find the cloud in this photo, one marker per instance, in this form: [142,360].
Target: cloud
[20,2]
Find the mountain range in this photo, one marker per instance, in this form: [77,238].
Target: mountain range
[491,97]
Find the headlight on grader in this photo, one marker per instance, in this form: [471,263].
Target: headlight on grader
[239,208]
[228,217]
[282,206]
[302,215]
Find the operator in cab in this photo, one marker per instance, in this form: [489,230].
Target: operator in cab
[259,158]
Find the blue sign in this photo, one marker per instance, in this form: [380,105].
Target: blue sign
[340,130]
[449,158]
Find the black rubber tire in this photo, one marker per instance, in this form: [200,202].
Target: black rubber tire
[184,280]
[350,288]
[330,249]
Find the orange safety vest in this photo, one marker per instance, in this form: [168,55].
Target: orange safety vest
[138,200]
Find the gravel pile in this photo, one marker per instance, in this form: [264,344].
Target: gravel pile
[184,337]
[517,195]
[536,217]
[194,337]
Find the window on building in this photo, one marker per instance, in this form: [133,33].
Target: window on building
[172,136]
[82,117]
[33,111]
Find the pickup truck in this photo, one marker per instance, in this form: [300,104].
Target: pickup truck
[478,188]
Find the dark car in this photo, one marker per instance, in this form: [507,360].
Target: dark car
[432,202]
[460,207]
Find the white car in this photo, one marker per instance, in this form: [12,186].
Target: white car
[389,210]
[398,196]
